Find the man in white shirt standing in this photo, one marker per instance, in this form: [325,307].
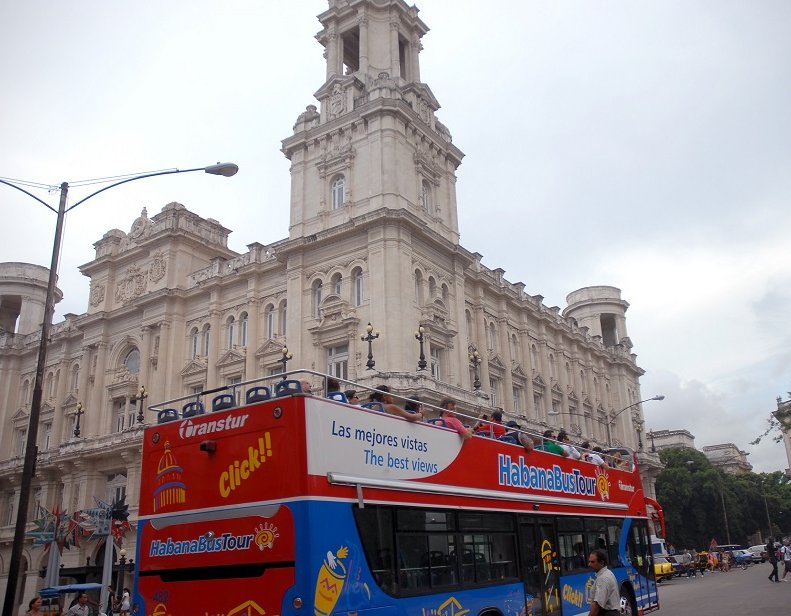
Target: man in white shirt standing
[786,552]
[606,599]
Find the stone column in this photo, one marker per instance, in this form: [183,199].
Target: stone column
[253,320]
[395,64]
[214,349]
[143,377]
[363,23]
[96,420]
[334,59]
[505,345]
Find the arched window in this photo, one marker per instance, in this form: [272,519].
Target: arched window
[552,374]
[132,361]
[492,337]
[432,287]
[445,294]
[269,321]
[243,329]
[357,282]
[206,337]
[231,325]
[338,192]
[419,287]
[194,340]
[514,348]
[468,318]
[425,196]
[316,289]
[337,281]
[533,357]
[283,310]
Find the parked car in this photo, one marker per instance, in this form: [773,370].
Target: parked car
[758,552]
[742,557]
[663,568]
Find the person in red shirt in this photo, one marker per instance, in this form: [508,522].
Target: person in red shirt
[497,428]
[448,407]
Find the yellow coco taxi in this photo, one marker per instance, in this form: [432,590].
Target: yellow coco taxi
[663,569]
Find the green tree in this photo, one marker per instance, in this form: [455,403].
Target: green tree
[703,503]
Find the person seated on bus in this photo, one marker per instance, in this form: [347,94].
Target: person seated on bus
[413,405]
[592,455]
[306,387]
[332,385]
[497,428]
[565,443]
[383,395]
[550,446]
[619,462]
[352,397]
[482,425]
[448,407]
[515,435]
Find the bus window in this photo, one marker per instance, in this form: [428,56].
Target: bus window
[596,535]
[375,525]
[613,540]
[571,547]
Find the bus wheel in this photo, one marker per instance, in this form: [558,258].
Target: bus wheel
[627,602]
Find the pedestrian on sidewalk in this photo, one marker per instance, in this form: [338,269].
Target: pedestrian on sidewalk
[772,555]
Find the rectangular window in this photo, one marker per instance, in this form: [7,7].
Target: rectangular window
[46,441]
[338,361]
[415,551]
[436,372]
[538,403]
[493,391]
[120,414]
[236,391]
[9,509]
[21,441]
[517,393]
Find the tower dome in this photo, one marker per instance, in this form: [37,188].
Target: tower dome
[23,293]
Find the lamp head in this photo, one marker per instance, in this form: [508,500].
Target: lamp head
[369,328]
[659,397]
[79,407]
[223,169]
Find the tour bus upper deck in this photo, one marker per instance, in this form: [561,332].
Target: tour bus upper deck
[297,444]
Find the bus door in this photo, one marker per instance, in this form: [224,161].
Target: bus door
[639,554]
[540,566]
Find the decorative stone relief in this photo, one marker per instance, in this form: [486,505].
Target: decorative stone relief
[132,286]
[337,101]
[423,111]
[97,294]
[158,267]
[141,226]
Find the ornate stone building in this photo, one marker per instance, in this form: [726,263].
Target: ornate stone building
[373,237]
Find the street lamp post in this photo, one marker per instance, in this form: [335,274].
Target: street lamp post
[612,419]
[28,468]
[651,436]
[121,571]
[285,359]
[421,363]
[79,412]
[369,338]
[475,362]
[141,398]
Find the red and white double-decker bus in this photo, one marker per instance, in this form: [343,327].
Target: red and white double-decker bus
[304,505]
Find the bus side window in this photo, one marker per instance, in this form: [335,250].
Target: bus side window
[613,539]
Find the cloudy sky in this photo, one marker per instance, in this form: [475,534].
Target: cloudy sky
[643,145]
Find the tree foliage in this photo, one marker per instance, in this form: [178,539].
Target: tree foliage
[692,493]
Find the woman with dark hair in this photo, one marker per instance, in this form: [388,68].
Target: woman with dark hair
[34,607]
